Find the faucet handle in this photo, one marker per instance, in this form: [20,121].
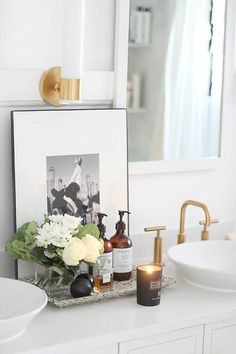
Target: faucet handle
[157,258]
[158,229]
[205,233]
[212,221]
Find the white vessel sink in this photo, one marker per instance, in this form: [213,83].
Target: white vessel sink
[208,264]
[19,304]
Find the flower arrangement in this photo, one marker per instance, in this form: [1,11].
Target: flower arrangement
[59,244]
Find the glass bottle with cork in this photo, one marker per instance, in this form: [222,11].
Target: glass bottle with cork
[122,251]
[103,271]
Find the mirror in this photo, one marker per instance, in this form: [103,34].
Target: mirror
[175,74]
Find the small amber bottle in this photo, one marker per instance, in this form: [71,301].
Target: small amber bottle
[122,251]
[103,272]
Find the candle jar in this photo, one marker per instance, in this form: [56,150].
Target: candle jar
[149,285]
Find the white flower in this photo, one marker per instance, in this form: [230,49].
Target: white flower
[93,246]
[58,231]
[74,252]
[61,235]
[101,250]
[44,236]
[72,222]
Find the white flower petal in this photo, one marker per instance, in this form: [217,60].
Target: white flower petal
[93,247]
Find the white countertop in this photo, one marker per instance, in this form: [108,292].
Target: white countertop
[85,326]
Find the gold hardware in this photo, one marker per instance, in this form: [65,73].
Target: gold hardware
[53,88]
[157,259]
[212,221]
[70,89]
[205,232]
[181,235]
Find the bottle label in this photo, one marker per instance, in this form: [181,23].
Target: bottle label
[104,264]
[122,260]
[106,278]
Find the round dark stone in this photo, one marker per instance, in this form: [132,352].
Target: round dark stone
[86,276]
[81,287]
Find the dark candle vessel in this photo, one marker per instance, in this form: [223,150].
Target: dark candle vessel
[149,285]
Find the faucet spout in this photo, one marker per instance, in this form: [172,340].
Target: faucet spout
[181,235]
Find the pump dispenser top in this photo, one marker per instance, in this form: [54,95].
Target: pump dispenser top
[120,225]
[100,225]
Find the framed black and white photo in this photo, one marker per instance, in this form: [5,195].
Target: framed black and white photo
[70,161]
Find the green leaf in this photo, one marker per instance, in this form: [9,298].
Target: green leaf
[90,229]
[20,234]
[19,250]
[50,255]
[56,269]
[46,219]
[38,253]
[31,232]
[59,252]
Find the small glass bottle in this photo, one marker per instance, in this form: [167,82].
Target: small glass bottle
[103,272]
[122,251]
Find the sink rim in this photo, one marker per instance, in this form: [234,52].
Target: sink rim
[197,267]
[42,303]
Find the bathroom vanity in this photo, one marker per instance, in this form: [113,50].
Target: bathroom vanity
[189,320]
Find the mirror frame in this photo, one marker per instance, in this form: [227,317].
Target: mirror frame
[169,166]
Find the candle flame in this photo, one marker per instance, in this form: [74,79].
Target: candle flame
[149,269]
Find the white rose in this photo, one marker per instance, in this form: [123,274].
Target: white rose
[101,250]
[74,252]
[93,246]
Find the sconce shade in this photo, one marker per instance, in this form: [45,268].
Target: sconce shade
[72,66]
[60,85]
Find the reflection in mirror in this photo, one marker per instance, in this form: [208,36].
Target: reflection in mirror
[175,73]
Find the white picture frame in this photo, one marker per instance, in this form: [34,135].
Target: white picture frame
[39,134]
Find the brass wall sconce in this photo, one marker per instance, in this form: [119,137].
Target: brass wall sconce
[54,89]
[63,85]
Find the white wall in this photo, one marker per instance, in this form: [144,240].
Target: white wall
[154,199]
[30,42]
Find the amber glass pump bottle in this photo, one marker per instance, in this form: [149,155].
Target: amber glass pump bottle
[122,251]
[103,267]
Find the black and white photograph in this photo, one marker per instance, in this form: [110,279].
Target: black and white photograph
[73,186]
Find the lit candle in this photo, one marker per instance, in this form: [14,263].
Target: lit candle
[73,39]
[149,285]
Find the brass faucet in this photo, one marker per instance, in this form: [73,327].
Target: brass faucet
[207,221]
[157,259]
